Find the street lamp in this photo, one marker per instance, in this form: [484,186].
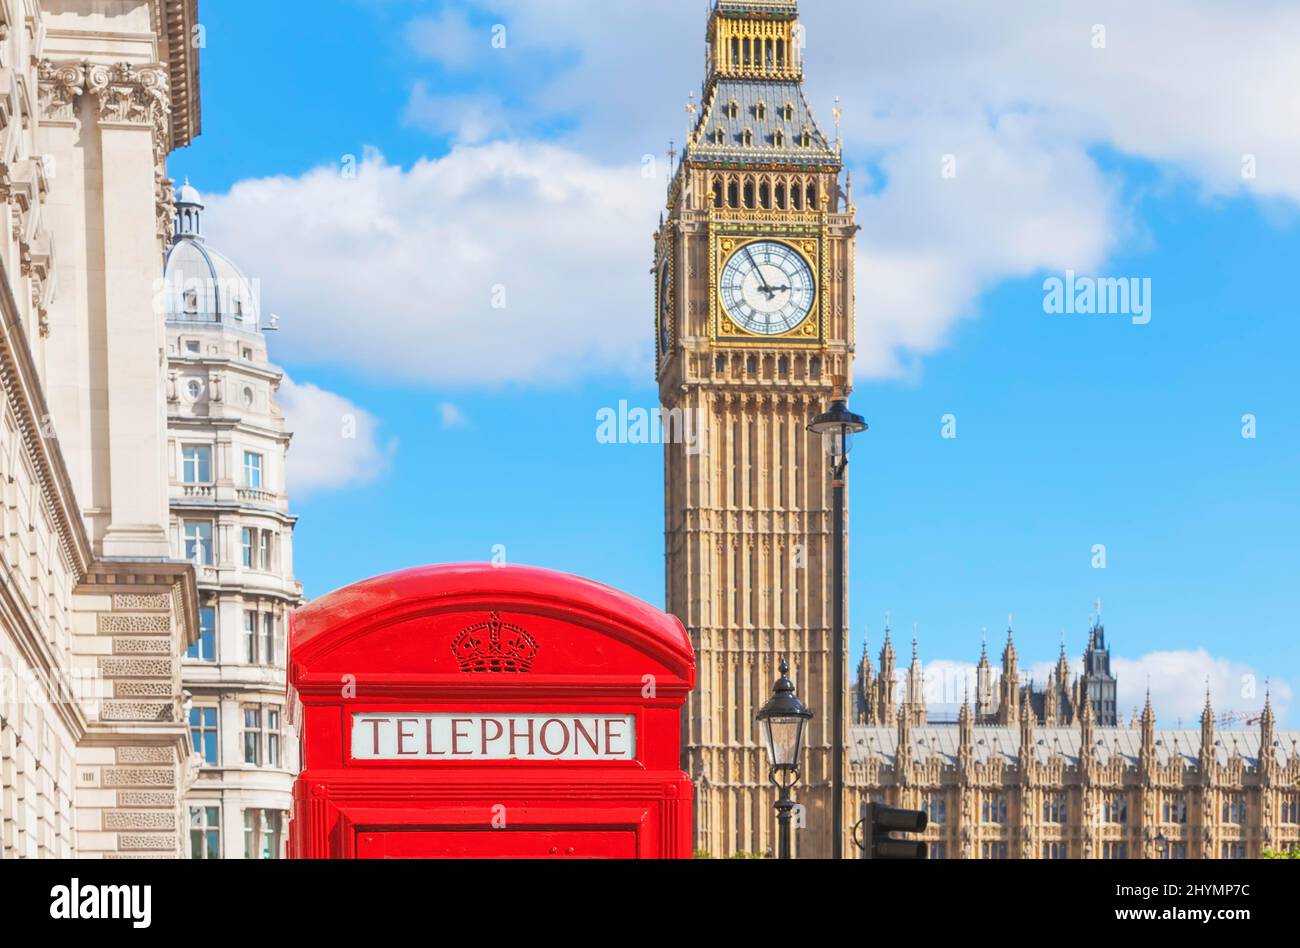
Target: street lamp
[837,427]
[783,719]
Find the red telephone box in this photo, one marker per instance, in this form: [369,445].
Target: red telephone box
[467,711]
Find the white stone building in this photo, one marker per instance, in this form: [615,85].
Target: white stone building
[95,611]
[226,451]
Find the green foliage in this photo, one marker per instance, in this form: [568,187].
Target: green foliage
[1287,854]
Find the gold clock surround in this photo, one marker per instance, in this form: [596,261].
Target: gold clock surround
[724,330]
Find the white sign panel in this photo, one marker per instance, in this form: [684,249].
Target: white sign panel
[493,737]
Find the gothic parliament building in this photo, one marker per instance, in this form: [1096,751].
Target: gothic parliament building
[754,313]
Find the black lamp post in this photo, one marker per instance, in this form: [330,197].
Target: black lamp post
[838,426]
[783,719]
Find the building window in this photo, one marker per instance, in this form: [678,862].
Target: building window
[994,809]
[1114,808]
[1291,810]
[1177,851]
[935,808]
[192,346]
[1234,808]
[198,542]
[268,639]
[205,832]
[253,736]
[1056,850]
[263,830]
[194,389]
[1175,810]
[1232,851]
[252,470]
[938,850]
[247,538]
[264,552]
[1055,809]
[273,738]
[994,850]
[262,736]
[1114,850]
[205,649]
[196,464]
[203,734]
[250,637]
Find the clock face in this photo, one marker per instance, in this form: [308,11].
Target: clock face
[665,309]
[768,288]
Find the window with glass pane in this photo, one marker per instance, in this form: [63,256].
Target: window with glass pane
[205,832]
[1115,809]
[247,539]
[265,554]
[250,637]
[197,463]
[252,470]
[994,809]
[203,733]
[1054,808]
[1175,810]
[1234,808]
[262,834]
[198,542]
[205,649]
[272,738]
[268,638]
[253,736]
[272,830]
[935,808]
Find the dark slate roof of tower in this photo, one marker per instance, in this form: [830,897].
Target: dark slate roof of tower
[748,94]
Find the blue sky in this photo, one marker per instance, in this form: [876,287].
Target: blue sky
[1072,431]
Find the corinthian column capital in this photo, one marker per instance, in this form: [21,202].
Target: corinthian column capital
[130,94]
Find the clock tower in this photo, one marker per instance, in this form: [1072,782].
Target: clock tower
[754,325]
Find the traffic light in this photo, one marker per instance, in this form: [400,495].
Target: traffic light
[880,822]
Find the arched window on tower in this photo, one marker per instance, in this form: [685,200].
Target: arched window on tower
[796,196]
[749,194]
[780,196]
[765,196]
[812,197]
[733,194]
[717,192]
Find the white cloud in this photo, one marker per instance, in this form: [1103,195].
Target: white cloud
[506,262]
[1014,89]
[452,416]
[1178,681]
[335,443]
[448,38]
[393,270]
[467,119]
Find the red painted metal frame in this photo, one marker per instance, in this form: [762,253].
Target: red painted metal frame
[385,645]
